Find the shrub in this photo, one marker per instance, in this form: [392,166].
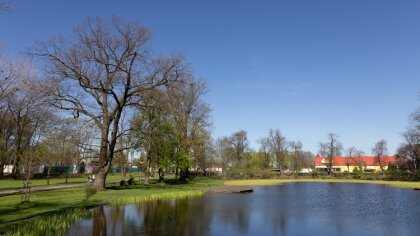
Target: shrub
[90,191]
[266,174]
[122,183]
[131,181]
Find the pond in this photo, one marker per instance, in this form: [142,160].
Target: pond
[289,209]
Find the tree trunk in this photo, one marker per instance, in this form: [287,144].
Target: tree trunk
[378,158]
[146,176]
[15,170]
[105,165]
[67,175]
[100,178]
[161,175]
[26,188]
[2,170]
[48,175]
[123,174]
[184,175]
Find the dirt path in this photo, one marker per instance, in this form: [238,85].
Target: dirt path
[45,188]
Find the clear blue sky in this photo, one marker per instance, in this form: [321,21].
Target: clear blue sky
[305,67]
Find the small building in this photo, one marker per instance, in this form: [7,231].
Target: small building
[364,163]
[8,169]
[214,168]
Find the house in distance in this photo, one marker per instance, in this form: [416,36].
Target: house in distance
[364,163]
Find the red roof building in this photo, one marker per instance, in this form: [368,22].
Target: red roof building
[366,163]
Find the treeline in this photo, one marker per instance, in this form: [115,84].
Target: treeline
[408,149]
[275,154]
[103,94]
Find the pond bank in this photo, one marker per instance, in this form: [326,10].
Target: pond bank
[265,182]
[12,211]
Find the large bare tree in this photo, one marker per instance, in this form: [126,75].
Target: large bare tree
[225,152]
[10,73]
[103,69]
[331,149]
[265,150]
[22,110]
[380,150]
[410,148]
[278,146]
[240,144]
[296,147]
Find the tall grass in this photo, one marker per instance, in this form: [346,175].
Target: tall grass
[48,225]
[156,196]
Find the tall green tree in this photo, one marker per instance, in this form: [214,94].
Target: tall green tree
[189,114]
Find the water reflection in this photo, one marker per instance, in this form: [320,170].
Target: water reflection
[291,209]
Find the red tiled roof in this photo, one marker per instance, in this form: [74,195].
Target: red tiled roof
[354,161]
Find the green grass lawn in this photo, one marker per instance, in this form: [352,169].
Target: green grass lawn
[13,184]
[12,211]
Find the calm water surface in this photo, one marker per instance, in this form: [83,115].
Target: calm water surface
[290,209]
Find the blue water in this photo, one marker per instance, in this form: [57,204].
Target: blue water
[290,209]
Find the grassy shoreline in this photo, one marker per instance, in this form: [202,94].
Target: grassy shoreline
[267,182]
[12,211]
[53,201]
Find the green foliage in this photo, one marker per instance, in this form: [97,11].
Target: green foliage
[157,196]
[122,183]
[183,160]
[56,224]
[394,174]
[251,166]
[160,141]
[90,191]
[44,202]
[131,181]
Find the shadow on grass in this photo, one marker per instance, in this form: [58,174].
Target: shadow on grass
[41,208]
[154,184]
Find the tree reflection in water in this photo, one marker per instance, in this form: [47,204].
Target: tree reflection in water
[290,209]
[99,222]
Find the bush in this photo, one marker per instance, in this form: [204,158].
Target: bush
[131,181]
[90,191]
[122,183]
[393,174]
[266,174]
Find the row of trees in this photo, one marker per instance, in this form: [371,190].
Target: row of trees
[32,132]
[409,148]
[275,151]
[170,129]
[103,93]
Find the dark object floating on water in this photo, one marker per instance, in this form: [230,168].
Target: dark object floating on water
[247,191]
[416,188]
[234,189]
